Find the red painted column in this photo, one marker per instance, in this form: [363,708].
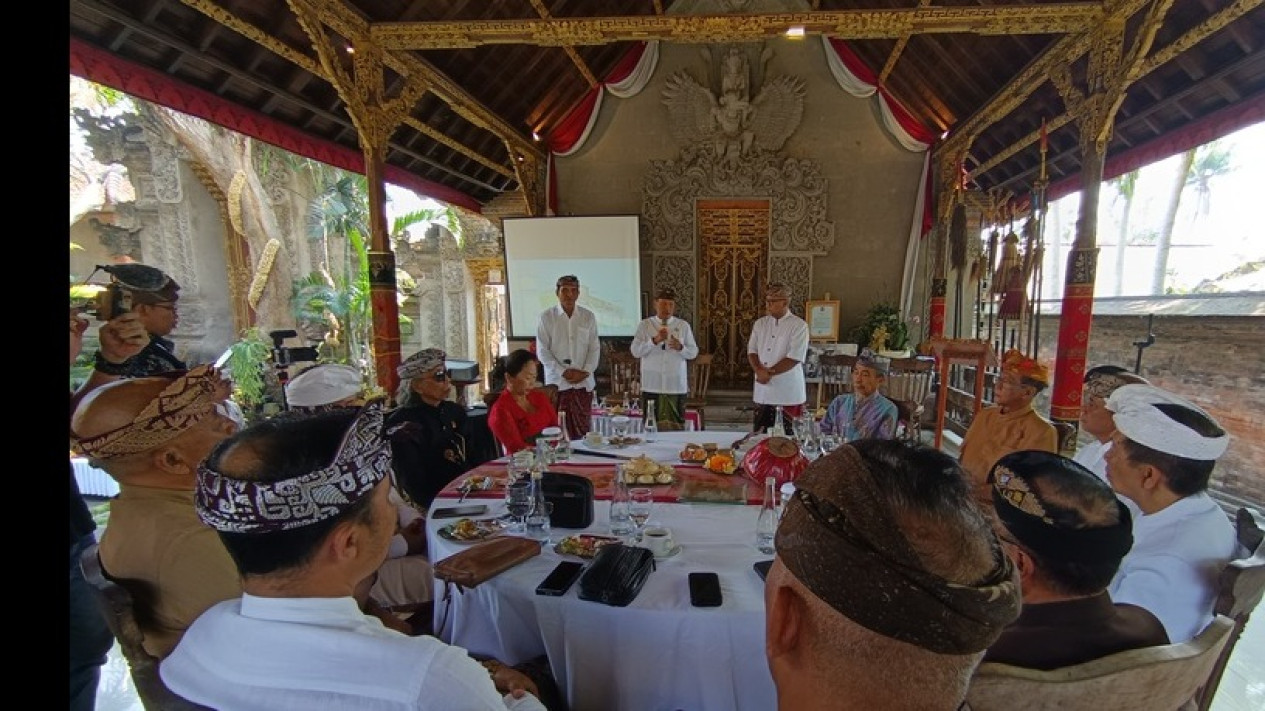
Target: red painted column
[939,287]
[386,310]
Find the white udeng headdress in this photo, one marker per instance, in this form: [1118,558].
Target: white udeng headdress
[1138,419]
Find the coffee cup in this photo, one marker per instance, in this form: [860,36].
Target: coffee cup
[593,439]
[659,540]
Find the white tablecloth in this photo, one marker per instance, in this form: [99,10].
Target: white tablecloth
[657,653]
[93,481]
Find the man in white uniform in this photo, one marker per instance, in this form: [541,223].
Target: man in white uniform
[1161,457]
[567,345]
[1096,420]
[302,506]
[776,350]
[665,343]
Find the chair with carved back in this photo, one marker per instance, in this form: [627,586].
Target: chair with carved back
[1161,678]
[836,377]
[123,604]
[1240,589]
[700,378]
[907,384]
[625,375]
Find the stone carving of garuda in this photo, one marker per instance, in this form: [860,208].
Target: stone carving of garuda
[733,123]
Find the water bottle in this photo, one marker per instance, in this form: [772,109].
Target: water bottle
[538,520]
[544,447]
[562,449]
[621,521]
[766,524]
[651,424]
[779,424]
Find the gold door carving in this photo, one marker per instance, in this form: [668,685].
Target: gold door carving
[733,238]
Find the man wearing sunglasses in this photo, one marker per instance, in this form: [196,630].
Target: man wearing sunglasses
[426,428]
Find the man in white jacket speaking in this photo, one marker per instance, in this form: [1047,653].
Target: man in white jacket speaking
[665,344]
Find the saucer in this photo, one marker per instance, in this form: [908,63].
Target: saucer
[671,554]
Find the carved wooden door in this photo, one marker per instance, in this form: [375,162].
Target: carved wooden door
[733,238]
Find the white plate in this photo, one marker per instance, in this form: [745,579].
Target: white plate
[671,554]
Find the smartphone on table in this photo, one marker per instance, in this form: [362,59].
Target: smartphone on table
[460,511]
[560,579]
[705,590]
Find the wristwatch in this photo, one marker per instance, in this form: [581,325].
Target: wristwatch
[100,363]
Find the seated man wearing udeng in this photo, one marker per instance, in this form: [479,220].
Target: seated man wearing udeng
[1067,532]
[863,413]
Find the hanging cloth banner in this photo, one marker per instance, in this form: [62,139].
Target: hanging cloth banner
[854,77]
[627,79]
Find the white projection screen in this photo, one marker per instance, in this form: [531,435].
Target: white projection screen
[602,251]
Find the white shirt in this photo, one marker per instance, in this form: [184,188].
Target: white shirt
[406,515]
[663,369]
[309,654]
[772,340]
[1178,554]
[561,338]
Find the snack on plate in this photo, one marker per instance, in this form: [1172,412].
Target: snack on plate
[468,529]
[618,441]
[693,453]
[720,463]
[583,545]
[644,470]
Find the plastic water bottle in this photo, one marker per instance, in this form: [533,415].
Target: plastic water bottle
[621,501]
[779,424]
[651,425]
[538,527]
[766,524]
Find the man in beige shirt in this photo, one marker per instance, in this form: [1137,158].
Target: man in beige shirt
[150,434]
[1009,425]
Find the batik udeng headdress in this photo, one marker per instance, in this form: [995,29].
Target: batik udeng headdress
[190,398]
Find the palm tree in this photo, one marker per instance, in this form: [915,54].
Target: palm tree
[1126,186]
[1197,167]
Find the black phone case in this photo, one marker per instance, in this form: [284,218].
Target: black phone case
[456,511]
[705,590]
[560,579]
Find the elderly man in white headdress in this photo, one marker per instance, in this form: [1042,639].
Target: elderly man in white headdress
[403,581]
[1161,457]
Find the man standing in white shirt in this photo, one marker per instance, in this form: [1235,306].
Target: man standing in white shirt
[1161,457]
[1096,420]
[567,345]
[664,343]
[776,350]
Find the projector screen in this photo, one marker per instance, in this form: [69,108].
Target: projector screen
[602,251]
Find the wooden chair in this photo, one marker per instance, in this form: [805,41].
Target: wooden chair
[122,603]
[907,384]
[700,378]
[625,371]
[836,377]
[1241,588]
[1160,678]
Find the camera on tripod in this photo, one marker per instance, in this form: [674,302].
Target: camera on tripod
[283,357]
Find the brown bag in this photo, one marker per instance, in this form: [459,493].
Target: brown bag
[485,560]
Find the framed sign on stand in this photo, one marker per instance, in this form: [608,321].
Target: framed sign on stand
[823,320]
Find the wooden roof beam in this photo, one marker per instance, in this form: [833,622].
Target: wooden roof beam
[569,49]
[846,24]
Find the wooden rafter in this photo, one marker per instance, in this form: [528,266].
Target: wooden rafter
[574,56]
[847,24]
[1157,59]
[890,64]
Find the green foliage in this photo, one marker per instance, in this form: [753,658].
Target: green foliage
[885,322]
[247,362]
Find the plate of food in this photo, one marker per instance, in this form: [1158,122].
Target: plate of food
[618,441]
[721,463]
[644,471]
[469,530]
[584,545]
[694,454]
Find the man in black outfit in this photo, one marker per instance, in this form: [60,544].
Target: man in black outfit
[426,428]
[1067,533]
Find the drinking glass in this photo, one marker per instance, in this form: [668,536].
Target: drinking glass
[619,426]
[519,501]
[830,442]
[810,446]
[641,503]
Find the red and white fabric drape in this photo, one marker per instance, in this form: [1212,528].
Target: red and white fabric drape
[627,79]
[854,77]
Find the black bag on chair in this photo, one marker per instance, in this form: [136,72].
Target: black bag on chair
[616,575]
[572,499]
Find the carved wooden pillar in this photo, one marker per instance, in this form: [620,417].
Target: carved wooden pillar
[1094,110]
[359,77]
[948,182]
